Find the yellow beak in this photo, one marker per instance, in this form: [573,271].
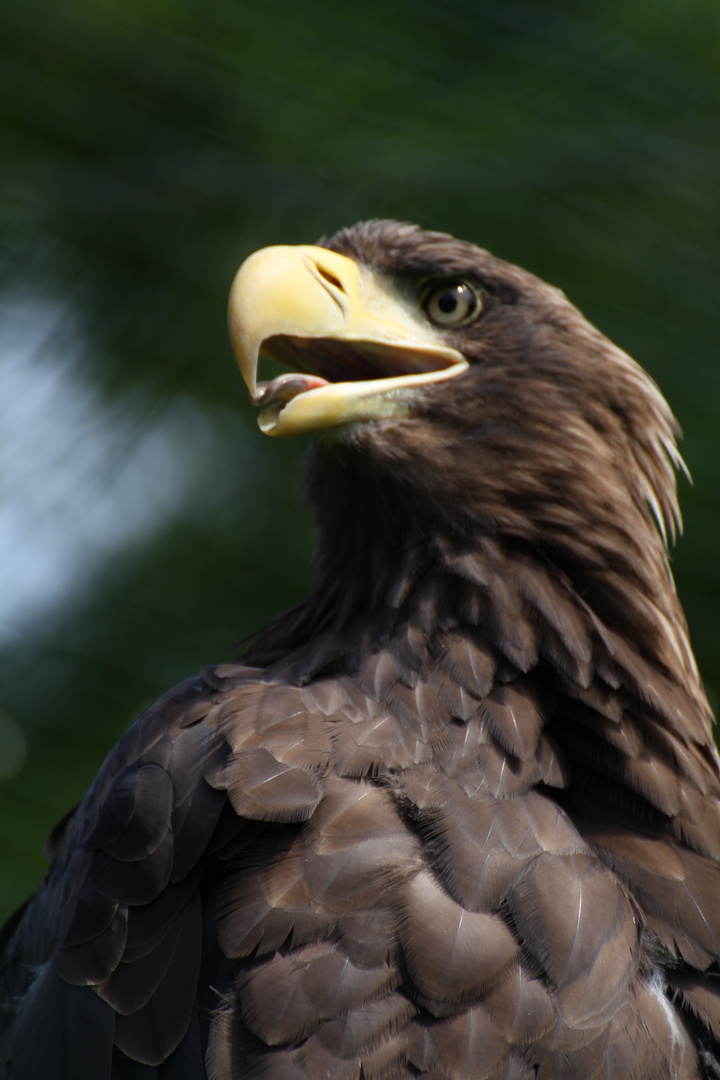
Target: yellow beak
[297,294]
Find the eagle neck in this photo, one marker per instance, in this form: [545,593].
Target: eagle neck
[386,560]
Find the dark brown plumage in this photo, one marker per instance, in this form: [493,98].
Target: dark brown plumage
[457,815]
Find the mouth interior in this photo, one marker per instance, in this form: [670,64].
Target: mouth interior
[320,361]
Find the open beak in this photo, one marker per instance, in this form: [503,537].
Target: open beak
[358,346]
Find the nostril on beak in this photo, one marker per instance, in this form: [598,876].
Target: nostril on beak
[330,278]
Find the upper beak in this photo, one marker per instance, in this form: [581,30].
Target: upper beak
[309,292]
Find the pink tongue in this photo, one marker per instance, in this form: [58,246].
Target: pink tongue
[286,387]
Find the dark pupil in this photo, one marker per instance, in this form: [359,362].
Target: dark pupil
[447,302]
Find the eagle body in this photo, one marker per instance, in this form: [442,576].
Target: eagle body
[456,815]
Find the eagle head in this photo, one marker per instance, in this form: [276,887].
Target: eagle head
[453,397]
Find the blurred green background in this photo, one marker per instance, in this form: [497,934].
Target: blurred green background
[146,148]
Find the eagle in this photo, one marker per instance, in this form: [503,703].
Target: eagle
[456,815]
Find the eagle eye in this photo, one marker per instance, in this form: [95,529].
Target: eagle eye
[452,304]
